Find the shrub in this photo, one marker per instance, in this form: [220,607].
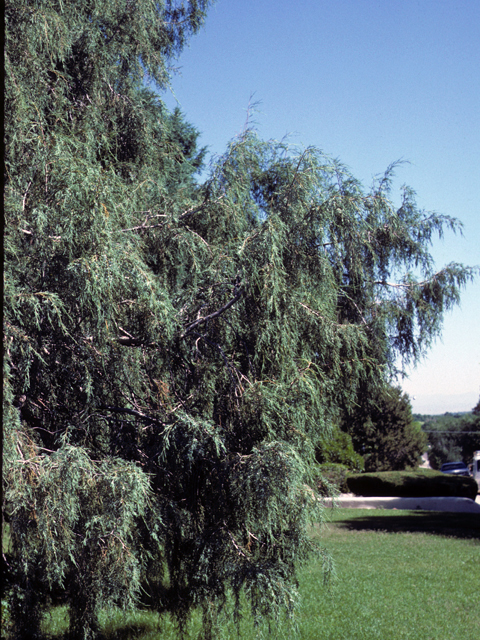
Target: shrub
[338,449]
[411,484]
[332,478]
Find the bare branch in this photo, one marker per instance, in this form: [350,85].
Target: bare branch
[128,340]
[213,315]
[133,412]
[315,313]
[25,196]
[406,285]
[182,216]
[133,342]
[193,210]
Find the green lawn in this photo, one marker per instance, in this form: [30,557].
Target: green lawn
[400,575]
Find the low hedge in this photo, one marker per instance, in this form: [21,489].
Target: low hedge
[411,484]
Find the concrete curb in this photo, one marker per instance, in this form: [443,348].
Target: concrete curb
[456,505]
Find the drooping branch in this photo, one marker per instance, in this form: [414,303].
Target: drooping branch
[213,315]
[454,273]
[129,341]
[183,216]
[400,285]
[133,412]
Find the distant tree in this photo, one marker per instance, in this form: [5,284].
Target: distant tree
[470,438]
[453,437]
[476,409]
[337,448]
[443,448]
[174,352]
[384,432]
[443,436]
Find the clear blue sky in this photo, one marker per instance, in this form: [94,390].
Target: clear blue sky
[369,82]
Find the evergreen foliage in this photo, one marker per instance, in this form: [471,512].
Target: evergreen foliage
[174,352]
[384,432]
[337,449]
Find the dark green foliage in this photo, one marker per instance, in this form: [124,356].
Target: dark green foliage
[412,484]
[332,478]
[476,409]
[337,448]
[452,437]
[175,353]
[383,431]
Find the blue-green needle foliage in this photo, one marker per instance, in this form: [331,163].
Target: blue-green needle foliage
[174,352]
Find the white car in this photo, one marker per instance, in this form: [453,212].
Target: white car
[455,468]
[476,467]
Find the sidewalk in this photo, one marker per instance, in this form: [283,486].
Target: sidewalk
[459,505]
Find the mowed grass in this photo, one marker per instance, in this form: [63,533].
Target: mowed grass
[400,575]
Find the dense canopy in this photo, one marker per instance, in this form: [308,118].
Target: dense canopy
[175,351]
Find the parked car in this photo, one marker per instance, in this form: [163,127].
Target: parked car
[456,468]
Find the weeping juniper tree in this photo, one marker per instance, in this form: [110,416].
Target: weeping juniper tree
[175,352]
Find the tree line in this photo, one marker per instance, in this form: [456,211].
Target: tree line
[452,436]
[177,350]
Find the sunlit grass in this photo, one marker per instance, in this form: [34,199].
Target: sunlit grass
[393,585]
[400,575]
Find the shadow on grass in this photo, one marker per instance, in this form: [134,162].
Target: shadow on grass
[458,525]
[120,632]
[111,625]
